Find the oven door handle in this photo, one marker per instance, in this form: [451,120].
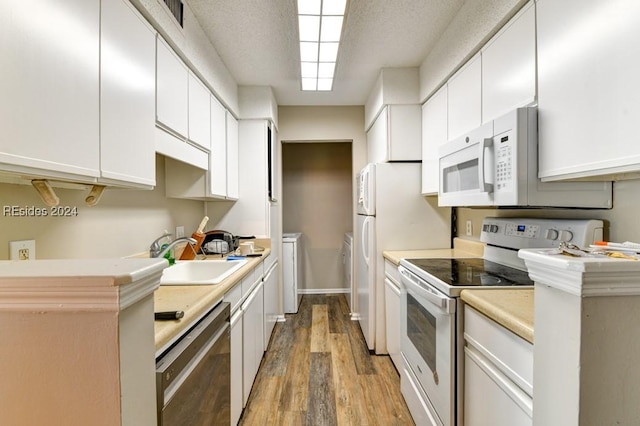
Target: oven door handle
[444,303]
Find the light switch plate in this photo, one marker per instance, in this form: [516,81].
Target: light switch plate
[22,250]
[179,231]
[469,228]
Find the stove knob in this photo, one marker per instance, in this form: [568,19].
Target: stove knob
[566,235]
[494,228]
[551,234]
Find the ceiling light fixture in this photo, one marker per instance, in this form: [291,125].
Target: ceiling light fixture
[320,29]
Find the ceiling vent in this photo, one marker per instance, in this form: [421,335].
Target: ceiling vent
[176,8]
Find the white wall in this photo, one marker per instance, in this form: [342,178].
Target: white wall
[125,222]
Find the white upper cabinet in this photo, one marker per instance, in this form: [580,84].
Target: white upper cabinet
[172,103]
[199,112]
[127,95]
[233,161]
[465,98]
[509,66]
[217,183]
[395,135]
[434,134]
[588,91]
[49,108]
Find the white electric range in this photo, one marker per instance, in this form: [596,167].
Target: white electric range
[431,313]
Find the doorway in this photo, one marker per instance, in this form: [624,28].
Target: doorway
[317,200]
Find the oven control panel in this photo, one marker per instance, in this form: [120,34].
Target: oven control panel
[519,233]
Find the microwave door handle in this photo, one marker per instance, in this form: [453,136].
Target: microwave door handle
[441,301]
[484,186]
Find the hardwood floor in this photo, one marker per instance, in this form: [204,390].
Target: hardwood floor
[318,371]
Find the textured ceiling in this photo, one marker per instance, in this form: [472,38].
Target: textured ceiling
[257,40]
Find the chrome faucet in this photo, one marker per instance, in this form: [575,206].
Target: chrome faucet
[156,251]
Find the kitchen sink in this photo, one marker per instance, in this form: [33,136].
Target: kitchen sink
[200,272]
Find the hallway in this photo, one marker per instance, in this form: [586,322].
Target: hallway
[318,371]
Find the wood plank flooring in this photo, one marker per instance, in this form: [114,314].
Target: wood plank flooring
[318,371]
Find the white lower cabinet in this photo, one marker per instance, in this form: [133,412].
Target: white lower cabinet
[252,329]
[498,374]
[236,367]
[392,312]
[270,303]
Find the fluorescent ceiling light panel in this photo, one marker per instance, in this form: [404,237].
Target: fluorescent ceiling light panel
[309,28]
[309,7]
[320,28]
[309,69]
[325,84]
[309,84]
[328,52]
[326,69]
[331,28]
[332,7]
[308,52]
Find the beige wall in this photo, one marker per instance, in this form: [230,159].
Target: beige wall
[621,222]
[317,201]
[327,124]
[125,222]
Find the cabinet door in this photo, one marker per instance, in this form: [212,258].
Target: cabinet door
[233,190]
[270,304]
[588,67]
[218,156]
[252,324]
[49,90]
[127,95]
[509,66]
[199,112]
[392,312]
[172,103]
[434,134]
[404,133]
[236,367]
[464,93]
[377,138]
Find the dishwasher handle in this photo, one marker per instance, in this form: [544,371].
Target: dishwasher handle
[172,363]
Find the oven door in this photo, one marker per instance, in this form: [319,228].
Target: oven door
[466,168]
[428,342]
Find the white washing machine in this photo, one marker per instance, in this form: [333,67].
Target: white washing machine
[347,260]
[292,273]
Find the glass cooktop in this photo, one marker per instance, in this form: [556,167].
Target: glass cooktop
[472,272]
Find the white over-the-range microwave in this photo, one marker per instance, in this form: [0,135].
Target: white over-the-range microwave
[496,165]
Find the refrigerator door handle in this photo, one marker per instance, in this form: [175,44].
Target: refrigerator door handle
[365,240]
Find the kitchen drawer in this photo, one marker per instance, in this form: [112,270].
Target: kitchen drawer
[391,271]
[511,354]
[233,296]
[251,279]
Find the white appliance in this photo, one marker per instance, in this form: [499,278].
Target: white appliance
[497,165]
[292,272]
[391,215]
[431,314]
[347,261]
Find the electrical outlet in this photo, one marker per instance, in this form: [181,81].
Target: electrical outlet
[469,228]
[179,231]
[22,250]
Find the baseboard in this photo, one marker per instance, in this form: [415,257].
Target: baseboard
[280,318]
[324,291]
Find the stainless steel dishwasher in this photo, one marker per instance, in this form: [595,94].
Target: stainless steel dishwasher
[193,378]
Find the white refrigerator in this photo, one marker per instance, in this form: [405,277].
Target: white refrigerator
[392,214]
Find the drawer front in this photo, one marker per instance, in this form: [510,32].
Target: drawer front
[234,296]
[391,271]
[511,354]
